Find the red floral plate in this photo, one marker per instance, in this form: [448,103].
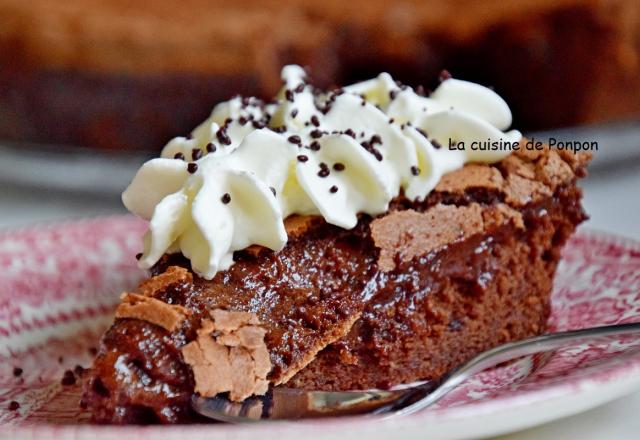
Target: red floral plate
[59,284]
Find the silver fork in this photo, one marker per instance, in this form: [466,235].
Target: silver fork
[286,403]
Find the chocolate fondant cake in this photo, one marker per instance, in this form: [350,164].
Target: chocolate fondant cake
[333,241]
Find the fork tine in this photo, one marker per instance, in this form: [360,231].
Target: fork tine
[286,403]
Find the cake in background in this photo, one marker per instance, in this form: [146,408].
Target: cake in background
[121,75]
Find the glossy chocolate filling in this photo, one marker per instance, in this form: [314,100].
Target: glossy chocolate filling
[416,322]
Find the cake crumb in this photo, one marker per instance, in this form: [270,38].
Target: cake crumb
[151,310]
[229,321]
[229,355]
[68,378]
[173,275]
[79,370]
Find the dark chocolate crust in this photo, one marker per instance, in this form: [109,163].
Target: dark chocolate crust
[376,328]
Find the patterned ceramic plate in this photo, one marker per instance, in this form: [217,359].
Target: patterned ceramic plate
[59,285]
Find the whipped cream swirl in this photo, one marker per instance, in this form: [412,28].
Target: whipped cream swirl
[251,164]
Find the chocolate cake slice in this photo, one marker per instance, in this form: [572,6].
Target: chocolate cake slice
[342,313]
[406,293]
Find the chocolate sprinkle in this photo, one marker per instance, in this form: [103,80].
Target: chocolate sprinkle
[302,158]
[17,371]
[68,378]
[178,156]
[192,167]
[295,139]
[288,94]
[78,370]
[300,88]
[324,170]
[316,134]
[138,255]
[315,121]
[196,153]
[211,148]
[368,145]
[226,198]
[273,190]
[338,166]
[415,170]
[422,132]
[333,189]
[294,112]
[315,146]
[444,75]
[223,137]
[13,406]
